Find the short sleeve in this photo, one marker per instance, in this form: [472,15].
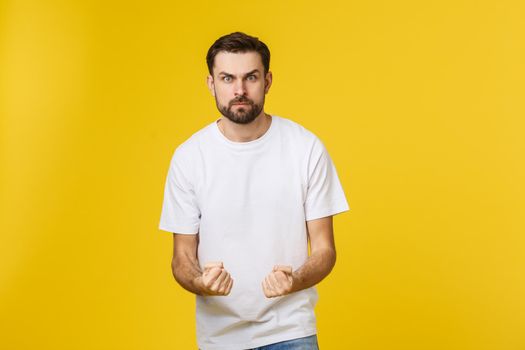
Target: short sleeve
[180,210]
[325,195]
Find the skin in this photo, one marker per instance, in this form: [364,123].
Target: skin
[282,280]
[213,279]
[240,77]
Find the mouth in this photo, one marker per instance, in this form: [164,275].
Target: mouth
[241,102]
[240,105]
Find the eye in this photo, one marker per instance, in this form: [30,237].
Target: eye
[227,79]
[251,77]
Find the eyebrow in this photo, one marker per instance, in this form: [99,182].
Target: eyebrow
[249,73]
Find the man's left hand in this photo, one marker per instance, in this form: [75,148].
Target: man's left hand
[279,282]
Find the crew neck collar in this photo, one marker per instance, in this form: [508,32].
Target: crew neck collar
[247,144]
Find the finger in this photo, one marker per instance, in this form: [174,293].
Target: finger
[281,278]
[215,286]
[284,268]
[276,284]
[285,281]
[210,265]
[210,276]
[269,285]
[224,284]
[266,289]
[229,288]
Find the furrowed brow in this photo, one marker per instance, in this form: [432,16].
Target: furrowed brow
[252,72]
[231,75]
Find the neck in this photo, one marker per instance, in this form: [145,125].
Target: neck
[245,132]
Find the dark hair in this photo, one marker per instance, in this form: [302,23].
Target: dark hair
[238,42]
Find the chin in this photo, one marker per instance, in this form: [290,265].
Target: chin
[242,120]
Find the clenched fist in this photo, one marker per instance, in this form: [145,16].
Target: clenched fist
[216,280]
[278,282]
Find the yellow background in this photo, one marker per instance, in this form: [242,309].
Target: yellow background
[420,104]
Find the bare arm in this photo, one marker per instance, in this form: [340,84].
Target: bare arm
[282,280]
[213,280]
[322,254]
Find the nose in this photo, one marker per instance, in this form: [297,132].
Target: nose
[240,88]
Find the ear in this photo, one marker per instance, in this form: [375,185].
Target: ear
[211,84]
[267,82]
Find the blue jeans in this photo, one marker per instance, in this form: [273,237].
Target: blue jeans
[306,343]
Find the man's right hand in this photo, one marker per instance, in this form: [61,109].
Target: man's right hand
[215,279]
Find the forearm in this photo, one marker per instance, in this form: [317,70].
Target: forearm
[188,274]
[314,270]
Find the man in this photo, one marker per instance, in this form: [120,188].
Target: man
[243,198]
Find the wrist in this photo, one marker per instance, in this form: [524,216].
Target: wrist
[296,282]
[199,285]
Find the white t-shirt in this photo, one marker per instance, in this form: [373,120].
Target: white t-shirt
[249,203]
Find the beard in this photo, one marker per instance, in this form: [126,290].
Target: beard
[243,114]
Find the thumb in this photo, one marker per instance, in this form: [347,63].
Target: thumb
[210,265]
[284,268]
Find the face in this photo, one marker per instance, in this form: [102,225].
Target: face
[239,85]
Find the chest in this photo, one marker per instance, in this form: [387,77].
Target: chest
[266,180]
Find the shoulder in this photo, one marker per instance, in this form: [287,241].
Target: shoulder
[193,143]
[190,149]
[297,134]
